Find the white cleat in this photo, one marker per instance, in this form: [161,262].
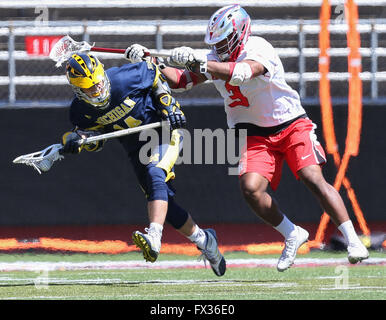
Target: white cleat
[357,252]
[149,243]
[292,245]
[213,254]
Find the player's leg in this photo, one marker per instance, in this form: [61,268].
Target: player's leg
[332,203]
[254,186]
[155,179]
[305,160]
[205,239]
[254,189]
[156,210]
[259,167]
[153,175]
[328,197]
[152,181]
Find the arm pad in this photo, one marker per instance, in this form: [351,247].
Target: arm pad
[160,85]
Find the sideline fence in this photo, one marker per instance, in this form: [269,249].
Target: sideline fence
[24,72]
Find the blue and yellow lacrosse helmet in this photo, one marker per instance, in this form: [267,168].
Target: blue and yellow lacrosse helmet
[88,79]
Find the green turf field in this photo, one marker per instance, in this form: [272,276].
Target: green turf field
[341,281]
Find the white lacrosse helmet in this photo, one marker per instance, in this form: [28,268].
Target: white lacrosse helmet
[228,30]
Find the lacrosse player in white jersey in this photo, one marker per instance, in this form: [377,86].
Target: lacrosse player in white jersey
[249,75]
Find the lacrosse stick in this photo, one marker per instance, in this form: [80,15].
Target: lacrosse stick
[43,160]
[66,47]
[123,132]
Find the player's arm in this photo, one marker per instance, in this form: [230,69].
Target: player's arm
[181,79]
[229,71]
[178,79]
[233,72]
[70,138]
[168,106]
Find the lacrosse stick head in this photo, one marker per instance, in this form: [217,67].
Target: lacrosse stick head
[41,160]
[66,47]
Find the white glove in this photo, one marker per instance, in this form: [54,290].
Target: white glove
[201,58]
[136,53]
[188,58]
[181,56]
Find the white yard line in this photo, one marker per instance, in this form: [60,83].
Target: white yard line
[134,264]
[355,288]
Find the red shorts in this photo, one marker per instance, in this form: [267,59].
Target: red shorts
[297,144]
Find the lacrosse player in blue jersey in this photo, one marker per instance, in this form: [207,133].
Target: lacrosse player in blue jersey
[129,96]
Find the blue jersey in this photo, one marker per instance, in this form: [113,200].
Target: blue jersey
[131,103]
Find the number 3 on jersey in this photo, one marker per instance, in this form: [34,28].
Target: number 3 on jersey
[237,96]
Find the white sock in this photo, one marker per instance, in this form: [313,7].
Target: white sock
[348,232]
[157,228]
[198,237]
[286,227]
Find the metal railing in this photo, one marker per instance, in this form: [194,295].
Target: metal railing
[376,75]
[23,4]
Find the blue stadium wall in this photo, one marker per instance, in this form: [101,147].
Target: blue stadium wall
[101,188]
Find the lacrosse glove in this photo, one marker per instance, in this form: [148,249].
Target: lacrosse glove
[188,58]
[170,110]
[71,145]
[136,53]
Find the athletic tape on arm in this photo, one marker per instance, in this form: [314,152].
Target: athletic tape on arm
[185,80]
[242,72]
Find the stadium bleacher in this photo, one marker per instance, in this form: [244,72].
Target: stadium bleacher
[180,10]
[187,13]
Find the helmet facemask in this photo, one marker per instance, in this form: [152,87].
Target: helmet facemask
[226,47]
[88,80]
[98,98]
[228,30]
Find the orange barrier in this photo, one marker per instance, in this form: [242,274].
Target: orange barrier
[118,246]
[354,124]
[56,245]
[273,248]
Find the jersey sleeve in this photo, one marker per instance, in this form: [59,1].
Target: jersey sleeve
[260,50]
[148,74]
[133,78]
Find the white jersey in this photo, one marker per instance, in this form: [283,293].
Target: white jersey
[266,100]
